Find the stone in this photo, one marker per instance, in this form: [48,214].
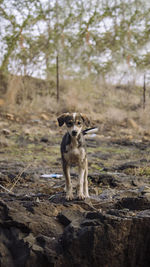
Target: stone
[72,234]
[6,131]
[45,117]
[10,116]
[67,216]
[131,123]
[44,139]
[27,131]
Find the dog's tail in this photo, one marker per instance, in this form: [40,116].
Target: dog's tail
[92,130]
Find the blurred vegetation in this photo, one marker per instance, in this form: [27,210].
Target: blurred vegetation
[91,37]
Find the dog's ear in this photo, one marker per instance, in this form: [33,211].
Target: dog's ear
[61,119]
[85,119]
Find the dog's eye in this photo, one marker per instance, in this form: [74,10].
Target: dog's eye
[69,124]
[79,122]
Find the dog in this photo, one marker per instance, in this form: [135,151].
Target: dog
[73,152]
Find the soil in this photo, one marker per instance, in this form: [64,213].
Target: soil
[40,228]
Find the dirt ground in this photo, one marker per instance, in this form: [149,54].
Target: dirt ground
[40,228]
[30,147]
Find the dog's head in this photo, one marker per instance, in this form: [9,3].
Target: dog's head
[74,122]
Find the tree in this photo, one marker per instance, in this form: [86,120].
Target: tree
[93,36]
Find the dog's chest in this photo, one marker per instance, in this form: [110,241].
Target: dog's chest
[74,154]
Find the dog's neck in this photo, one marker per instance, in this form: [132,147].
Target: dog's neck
[75,141]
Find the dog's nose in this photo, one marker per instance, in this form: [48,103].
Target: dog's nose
[74,133]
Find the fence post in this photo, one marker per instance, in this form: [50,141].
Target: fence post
[57,55]
[144,92]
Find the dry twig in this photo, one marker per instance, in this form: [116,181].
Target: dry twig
[18,177]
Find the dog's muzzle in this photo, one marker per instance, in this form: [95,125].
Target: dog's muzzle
[74,133]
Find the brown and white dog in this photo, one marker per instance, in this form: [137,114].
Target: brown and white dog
[73,152]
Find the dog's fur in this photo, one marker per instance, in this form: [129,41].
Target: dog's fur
[73,152]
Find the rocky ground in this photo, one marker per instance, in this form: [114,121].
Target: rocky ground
[40,228]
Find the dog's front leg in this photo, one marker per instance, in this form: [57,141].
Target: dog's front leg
[69,194]
[85,184]
[81,181]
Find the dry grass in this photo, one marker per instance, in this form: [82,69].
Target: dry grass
[25,96]
[141,171]
[103,102]
[14,87]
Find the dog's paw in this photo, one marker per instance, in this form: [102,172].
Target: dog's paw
[81,196]
[69,197]
[87,195]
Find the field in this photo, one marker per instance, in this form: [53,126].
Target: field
[119,162]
